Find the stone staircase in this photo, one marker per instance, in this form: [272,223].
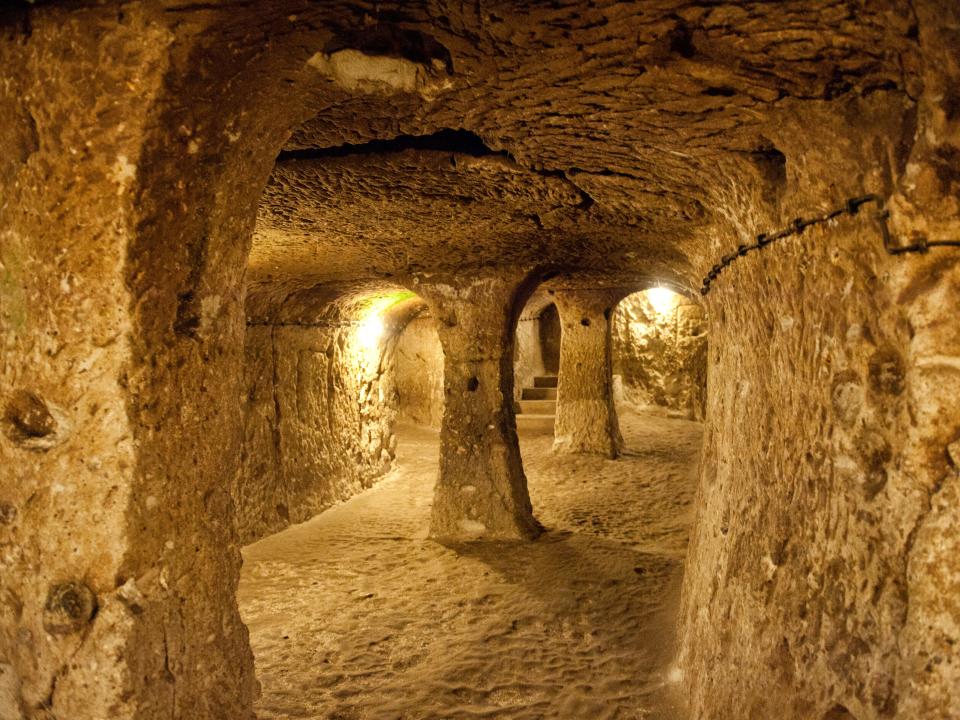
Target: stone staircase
[537,407]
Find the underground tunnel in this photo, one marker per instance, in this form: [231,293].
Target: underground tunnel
[440,360]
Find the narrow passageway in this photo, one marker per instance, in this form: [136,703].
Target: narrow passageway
[356,614]
[242,242]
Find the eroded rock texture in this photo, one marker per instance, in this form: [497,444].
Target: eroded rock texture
[825,471]
[173,171]
[660,351]
[481,489]
[319,422]
[586,416]
[832,405]
[118,564]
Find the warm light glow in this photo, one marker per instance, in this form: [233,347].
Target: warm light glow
[663,300]
[370,325]
[370,331]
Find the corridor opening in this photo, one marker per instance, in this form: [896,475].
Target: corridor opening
[660,353]
[636,350]
[198,201]
[357,611]
[536,364]
[319,407]
[548,329]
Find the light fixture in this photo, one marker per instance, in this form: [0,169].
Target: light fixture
[661,299]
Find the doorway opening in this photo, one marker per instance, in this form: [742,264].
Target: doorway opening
[536,365]
[659,349]
[548,326]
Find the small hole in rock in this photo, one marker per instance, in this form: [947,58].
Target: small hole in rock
[839,712]
[585,322]
[719,91]
[886,371]
[681,41]
[27,417]
[472,384]
[68,608]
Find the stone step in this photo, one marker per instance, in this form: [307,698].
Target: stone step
[546,381]
[535,423]
[539,393]
[538,407]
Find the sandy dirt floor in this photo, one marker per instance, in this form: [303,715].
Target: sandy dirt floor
[356,614]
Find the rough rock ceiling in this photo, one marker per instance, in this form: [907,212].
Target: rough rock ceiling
[582,134]
[398,210]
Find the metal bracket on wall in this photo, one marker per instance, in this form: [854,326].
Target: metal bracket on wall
[850,207]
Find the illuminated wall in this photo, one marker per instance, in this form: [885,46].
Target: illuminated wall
[659,352]
[319,419]
[418,373]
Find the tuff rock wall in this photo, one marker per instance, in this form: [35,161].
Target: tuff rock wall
[418,373]
[822,574]
[824,550]
[68,454]
[528,354]
[120,377]
[660,353]
[319,422]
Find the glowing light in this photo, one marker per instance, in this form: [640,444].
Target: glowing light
[370,326]
[662,299]
[370,331]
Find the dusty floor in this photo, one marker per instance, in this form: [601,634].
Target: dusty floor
[355,614]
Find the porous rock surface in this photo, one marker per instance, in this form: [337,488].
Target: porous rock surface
[418,373]
[646,137]
[660,354]
[586,417]
[825,479]
[318,422]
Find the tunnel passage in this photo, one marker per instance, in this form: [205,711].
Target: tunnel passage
[356,591]
[656,341]
[548,330]
[170,161]
[577,621]
[337,555]
[320,403]
[660,352]
[536,363]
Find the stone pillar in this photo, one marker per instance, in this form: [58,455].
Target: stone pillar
[481,489]
[586,417]
[121,328]
[68,456]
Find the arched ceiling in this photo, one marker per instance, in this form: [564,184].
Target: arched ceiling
[587,135]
